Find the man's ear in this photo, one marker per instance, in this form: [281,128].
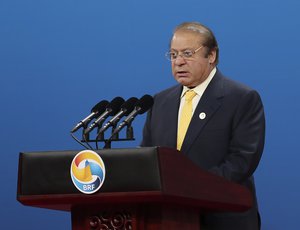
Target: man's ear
[212,56]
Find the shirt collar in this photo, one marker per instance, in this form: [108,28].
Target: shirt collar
[199,89]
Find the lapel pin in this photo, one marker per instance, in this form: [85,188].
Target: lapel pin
[202,115]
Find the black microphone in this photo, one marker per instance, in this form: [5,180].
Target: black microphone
[111,109]
[126,108]
[95,111]
[144,104]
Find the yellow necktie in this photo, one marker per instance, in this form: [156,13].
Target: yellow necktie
[185,118]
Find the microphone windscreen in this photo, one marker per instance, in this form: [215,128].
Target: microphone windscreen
[100,107]
[115,105]
[144,103]
[129,105]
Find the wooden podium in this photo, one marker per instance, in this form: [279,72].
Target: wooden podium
[145,188]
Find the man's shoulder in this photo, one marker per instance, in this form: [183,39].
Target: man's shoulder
[173,90]
[235,91]
[233,86]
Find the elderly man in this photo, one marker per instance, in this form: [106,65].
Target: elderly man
[216,122]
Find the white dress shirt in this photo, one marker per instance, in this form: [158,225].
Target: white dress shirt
[198,89]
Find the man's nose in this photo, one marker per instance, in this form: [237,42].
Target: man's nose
[179,60]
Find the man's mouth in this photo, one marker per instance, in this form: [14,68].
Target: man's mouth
[182,73]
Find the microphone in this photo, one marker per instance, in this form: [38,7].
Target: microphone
[111,109]
[144,104]
[126,108]
[97,109]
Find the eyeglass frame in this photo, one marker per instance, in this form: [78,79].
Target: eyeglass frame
[182,55]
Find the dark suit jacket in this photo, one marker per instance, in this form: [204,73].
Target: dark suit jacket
[228,142]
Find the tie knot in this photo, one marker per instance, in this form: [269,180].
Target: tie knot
[189,95]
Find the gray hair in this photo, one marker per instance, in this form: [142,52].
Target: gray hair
[209,38]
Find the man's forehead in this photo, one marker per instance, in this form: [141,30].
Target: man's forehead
[188,39]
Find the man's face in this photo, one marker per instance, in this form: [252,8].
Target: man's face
[192,71]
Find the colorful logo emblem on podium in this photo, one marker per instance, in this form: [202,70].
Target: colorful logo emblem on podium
[87,171]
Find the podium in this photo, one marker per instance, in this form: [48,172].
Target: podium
[145,188]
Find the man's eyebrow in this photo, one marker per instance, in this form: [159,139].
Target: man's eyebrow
[188,48]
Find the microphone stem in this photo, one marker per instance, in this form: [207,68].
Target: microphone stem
[100,135]
[85,136]
[129,132]
[114,135]
[107,144]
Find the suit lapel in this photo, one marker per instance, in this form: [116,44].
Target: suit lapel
[207,106]
[171,106]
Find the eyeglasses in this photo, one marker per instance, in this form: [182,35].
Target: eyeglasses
[185,54]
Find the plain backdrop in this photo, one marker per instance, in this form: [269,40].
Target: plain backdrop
[59,58]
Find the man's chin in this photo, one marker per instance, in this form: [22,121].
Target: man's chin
[184,82]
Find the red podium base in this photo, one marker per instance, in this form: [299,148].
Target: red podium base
[145,188]
[141,217]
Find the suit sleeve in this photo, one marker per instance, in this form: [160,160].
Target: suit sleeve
[246,142]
